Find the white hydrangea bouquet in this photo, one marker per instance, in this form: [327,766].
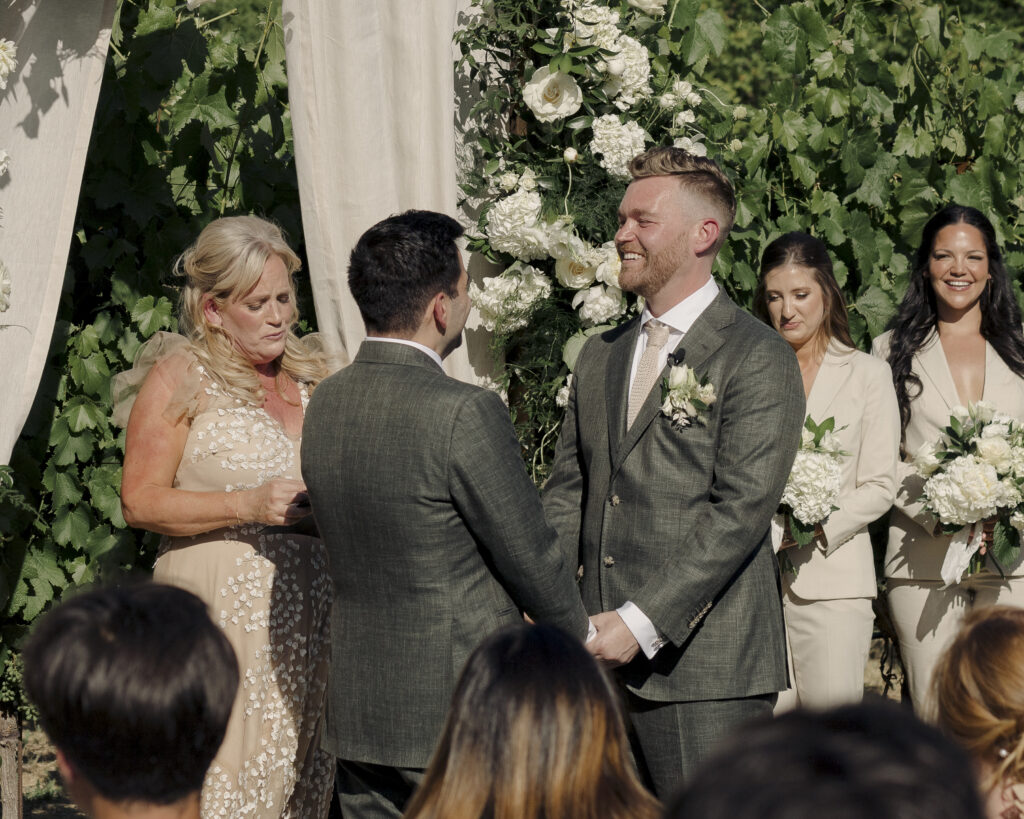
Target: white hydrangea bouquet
[975,472]
[812,488]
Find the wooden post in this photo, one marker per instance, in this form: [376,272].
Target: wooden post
[10,767]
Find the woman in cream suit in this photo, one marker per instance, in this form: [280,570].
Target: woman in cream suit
[956,339]
[829,617]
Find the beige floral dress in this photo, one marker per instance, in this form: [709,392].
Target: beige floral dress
[267,587]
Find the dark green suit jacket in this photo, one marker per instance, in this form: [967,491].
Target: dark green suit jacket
[436,537]
[677,520]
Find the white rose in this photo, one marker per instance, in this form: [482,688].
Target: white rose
[508,181]
[926,459]
[609,266]
[552,96]
[684,118]
[995,451]
[961,414]
[599,304]
[570,155]
[984,411]
[574,273]
[652,7]
[528,180]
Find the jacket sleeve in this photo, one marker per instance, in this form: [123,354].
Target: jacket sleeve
[876,454]
[501,507]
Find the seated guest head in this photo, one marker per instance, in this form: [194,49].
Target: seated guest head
[134,686]
[798,295]
[873,760]
[535,730]
[407,277]
[979,696]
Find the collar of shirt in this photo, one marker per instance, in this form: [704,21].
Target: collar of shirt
[679,318]
[410,343]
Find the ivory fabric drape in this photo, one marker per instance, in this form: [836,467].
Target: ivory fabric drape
[46,116]
[371,88]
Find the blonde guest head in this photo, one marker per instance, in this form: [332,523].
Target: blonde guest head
[979,693]
[227,262]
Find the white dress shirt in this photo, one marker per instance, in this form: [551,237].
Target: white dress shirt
[680,319]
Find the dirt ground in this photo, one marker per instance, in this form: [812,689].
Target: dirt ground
[45,798]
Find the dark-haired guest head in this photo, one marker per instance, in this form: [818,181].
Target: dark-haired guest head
[134,686]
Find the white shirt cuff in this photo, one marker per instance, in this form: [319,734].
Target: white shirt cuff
[591,630]
[640,626]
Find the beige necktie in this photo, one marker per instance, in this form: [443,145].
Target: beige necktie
[647,369]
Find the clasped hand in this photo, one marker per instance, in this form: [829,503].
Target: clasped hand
[614,644]
[279,502]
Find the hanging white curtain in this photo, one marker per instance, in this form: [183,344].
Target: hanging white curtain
[371,90]
[46,116]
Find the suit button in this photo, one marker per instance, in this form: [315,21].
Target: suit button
[609,561]
[614,500]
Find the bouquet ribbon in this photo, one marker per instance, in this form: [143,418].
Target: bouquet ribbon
[958,555]
[778,532]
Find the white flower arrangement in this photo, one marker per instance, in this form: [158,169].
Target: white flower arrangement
[562,396]
[617,142]
[685,397]
[630,72]
[8,60]
[813,484]
[975,473]
[514,226]
[552,95]
[505,302]
[599,304]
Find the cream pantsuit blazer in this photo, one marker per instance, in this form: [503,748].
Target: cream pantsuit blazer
[857,391]
[914,553]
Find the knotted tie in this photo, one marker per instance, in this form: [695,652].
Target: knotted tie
[647,369]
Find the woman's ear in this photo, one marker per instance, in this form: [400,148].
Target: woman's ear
[210,311]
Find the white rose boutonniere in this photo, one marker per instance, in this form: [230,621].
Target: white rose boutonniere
[552,95]
[685,397]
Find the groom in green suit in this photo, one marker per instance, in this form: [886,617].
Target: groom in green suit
[667,505]
[435,532]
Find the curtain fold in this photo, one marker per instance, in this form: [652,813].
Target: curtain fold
[46,116]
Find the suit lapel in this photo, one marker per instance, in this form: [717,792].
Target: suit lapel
[696,347]
[620,361]
[999,379]
[835,370]
[935,368]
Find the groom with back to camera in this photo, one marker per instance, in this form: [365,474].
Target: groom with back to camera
[669,517]
[435,532]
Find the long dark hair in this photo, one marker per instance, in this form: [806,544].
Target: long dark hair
[806,251]
[917,314]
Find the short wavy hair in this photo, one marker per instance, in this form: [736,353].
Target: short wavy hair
[697,174]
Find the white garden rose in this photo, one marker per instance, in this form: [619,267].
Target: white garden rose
[926,459]
[617,143]
[599,304]
[552,95]
[513,226]
[608,269]
[655,8]
[994,451]
[965,491]
[813,486]
[5,288]
[8,60]
[506,301]
[577,268]
[508,181]
[528,180]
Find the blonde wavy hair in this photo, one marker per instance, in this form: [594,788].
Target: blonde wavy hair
[978,692]
[226,262]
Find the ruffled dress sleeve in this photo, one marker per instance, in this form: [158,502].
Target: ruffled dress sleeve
[174,352]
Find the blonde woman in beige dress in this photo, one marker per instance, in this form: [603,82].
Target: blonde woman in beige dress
[212,463]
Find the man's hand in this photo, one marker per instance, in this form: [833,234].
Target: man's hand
[614,644]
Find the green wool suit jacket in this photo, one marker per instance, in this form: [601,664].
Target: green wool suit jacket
[436,537]
[677,520]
